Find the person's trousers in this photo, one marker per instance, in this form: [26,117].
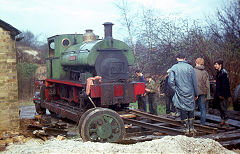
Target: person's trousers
[223,106]
[202,107]
[152,103]
[142,105]
[169,105]
[186,114]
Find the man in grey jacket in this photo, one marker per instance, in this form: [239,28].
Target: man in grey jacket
[182,80]
[203,87]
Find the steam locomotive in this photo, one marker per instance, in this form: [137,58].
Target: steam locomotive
[73,59]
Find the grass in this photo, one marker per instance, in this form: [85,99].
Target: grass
[161,107]
[27,102]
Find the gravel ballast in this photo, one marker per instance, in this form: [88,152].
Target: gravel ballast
[168,144]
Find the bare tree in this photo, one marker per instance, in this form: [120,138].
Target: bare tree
[29,39]
[225,38]
[32,41]
[159,39]
[122,5]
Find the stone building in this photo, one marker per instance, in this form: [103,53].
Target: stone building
[9,108]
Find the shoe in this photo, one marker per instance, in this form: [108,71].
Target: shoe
[186,127]
[177,114]
[168,114]
[226,125]
[192,131]
[173,114]
[191,125]
[222,124]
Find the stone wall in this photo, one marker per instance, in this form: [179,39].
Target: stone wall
[9,108]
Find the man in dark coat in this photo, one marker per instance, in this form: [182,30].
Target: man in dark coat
[222,91]
[142,104]
[182,80]
[168,93]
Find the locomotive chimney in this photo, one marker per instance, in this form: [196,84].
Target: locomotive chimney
[108,30]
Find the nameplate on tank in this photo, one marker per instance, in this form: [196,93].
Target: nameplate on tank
[72,58]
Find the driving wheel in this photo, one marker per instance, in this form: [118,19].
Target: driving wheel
[102,125]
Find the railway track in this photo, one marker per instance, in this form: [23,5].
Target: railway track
[228,137]
[142,126]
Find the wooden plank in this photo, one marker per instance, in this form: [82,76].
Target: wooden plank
[234,112]
[145,138]
[134,140]
[217,119]
[54,131]
[223,135]
[231,144]
[234,115]
[133,129]
[34,127]
[128,116]
[216,126]
[142,133]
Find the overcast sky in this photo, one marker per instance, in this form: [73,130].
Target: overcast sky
[51,17]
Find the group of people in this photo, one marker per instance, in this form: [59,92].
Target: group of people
[150,93]
[185,85]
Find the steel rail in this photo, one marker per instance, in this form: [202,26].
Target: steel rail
[162,129]
[172,122]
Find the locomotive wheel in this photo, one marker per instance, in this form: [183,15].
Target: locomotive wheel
[102,125]
[80,122]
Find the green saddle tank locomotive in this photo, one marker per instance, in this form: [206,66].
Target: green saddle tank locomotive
[73,60]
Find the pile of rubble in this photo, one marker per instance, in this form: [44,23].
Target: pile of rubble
[10,137]
[168,144]
[42,128]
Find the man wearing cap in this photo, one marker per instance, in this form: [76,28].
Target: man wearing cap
[151,91]
[182,80]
